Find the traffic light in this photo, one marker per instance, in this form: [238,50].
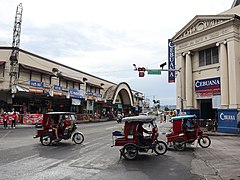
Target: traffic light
[142,69]
[141,74]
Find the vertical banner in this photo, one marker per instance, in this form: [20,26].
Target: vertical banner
[171,61]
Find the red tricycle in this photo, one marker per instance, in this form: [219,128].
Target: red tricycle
[186,130]
[136,138]
[61,124]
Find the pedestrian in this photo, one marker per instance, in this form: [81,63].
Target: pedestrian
[5,120]
[13,115]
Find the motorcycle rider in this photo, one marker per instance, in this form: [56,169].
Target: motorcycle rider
[55,126]
[140,131]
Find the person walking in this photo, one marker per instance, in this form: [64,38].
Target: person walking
[13,115]
[5,120]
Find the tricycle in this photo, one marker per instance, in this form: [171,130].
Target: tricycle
[186,130]
[136,138]
[61,124]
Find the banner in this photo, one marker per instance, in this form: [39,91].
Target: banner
[171,61]
[32,119]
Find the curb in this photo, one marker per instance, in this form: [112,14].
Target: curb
[220,134]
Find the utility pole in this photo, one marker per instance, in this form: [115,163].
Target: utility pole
[14,66]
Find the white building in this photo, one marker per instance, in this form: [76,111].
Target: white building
[207,51]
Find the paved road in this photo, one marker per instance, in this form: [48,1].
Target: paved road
[22,157]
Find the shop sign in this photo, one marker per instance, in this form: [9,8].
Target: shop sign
[227,117]
[36,87]
[171,61]
[74,93]
[208,85]
[227,120]
[99,97]
[57,90]
[90,96]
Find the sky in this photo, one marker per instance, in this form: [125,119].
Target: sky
[106,37]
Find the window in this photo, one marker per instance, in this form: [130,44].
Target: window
[2,67]
[208,56]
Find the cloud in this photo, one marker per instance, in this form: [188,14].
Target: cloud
[106,37]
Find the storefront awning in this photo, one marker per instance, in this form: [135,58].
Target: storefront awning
[71,79]
[94,85]
[36,69]
[21,89]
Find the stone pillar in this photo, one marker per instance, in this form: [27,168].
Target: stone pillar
[183,73]
[180,88]
[189,83]
[233,72]
[223,74]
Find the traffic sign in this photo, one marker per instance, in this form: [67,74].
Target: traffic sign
[155,71]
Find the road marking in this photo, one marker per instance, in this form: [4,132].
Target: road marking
[5,134]
[113,127]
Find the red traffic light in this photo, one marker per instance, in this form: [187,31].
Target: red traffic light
[142,69]
[141,74]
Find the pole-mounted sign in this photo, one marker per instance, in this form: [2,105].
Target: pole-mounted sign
[171,61]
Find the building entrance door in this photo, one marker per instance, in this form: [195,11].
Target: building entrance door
[206,110]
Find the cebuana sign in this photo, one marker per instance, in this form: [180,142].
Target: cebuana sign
[229,117]
[204,85]
[227,120]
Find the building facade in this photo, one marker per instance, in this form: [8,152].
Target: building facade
[208,57]
[44,85]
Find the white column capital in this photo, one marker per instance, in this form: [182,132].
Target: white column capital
[187,53]
[221,42]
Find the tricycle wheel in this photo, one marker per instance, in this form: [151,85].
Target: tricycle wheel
[46,139]
[130,151]
[78,138]
[160,148]
[179,144]
[204,142]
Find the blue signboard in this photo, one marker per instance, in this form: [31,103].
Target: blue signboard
[227,120]
[171,61]
[57,88]
[210,84]
[74,93]
[36,84]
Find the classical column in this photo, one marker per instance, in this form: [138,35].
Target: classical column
[180,65]
[224,74]
[189,83]
[183,73]
[233,72]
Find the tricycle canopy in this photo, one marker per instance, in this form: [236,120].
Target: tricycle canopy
[176,118]
[138,119]
[49,117]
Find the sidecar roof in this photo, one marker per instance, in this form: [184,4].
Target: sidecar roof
[184,117]
[141,118]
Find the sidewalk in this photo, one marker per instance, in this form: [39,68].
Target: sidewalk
[18,125]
